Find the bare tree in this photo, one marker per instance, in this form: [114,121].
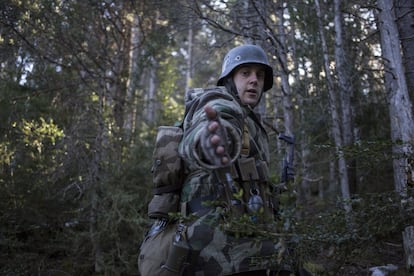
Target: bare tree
[343,69]
[334,110]
[189,71]
[151,110]
[132,83]
[404,10]
[279,42]
[400,107]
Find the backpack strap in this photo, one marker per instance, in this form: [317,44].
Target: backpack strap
[245,141]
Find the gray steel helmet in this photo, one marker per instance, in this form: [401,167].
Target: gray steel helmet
[246,54]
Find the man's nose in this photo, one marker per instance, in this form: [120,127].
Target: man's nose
[253,77]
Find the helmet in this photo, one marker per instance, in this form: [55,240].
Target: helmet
[246,54]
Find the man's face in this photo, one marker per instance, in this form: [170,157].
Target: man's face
[249,81]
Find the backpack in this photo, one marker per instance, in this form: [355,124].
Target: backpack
[168,176]
[168,172]
[168,168]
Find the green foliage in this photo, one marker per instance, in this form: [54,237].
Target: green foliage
[38,135]
[330,237]
[171,95]
[29,187]
[71,183]
[125,198]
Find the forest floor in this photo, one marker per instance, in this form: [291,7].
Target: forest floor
[369,257]
[386,256]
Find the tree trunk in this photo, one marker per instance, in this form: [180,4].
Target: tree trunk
[189,73]
[408,240]
[96,176]
[114,83]
[304,193]
[247,23]
[131,106]
[336,121]
[284,75]
[343,70]
[252,29]
[400,108]
[279,44]
[151,94]
[94,231]
[404,10]
[402,123]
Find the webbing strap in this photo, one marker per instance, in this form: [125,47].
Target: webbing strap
[246,141]
[167,189]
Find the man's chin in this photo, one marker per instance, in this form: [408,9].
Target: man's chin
[251,103]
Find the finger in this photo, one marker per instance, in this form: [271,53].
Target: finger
[220,150]
[213,126]
[210,112]
[215,140]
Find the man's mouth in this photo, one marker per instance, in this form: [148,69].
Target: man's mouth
[252,91]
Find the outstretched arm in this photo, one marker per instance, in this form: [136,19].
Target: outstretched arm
[213,127]
[214,139]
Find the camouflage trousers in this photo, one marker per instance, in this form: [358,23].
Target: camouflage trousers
[222,252]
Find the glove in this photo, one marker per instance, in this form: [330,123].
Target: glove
[214,140]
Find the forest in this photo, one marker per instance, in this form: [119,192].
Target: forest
[85,84]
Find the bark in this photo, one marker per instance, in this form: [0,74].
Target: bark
[251,27]
[252,22]
[343,70]
[279,45]
[284,74]
[151,96]
[400,107]
[96,175]
[333,176]
[93,231]
[114,81]
[408,241]
[134,50]
[306,179]
[404,10]
[189,74]
[336,121]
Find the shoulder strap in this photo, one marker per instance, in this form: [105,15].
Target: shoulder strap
[246,141]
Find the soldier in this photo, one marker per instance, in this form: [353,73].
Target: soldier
[226,151]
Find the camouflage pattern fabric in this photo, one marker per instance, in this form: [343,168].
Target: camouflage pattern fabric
[224,252]
[168,172]
[222,249]
[154,249]
[195,122]
[167,168]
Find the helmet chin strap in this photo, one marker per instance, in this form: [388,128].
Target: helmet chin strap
[231,86]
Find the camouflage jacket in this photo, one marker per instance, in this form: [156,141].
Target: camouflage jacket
[221,238]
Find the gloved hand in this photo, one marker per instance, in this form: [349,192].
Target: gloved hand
[214,140]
